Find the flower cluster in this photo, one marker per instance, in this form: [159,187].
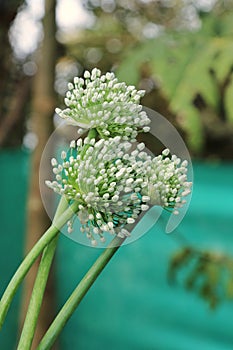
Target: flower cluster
[99,176]
[101,102]
[167,181]
[114,181]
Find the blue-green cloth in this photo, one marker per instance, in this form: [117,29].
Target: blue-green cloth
[131,305]
[13,181]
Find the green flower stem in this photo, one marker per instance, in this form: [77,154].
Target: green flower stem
[30,259]
[78,294]
[91,135]
[36,299]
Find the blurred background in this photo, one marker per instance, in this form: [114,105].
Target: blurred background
[163,292]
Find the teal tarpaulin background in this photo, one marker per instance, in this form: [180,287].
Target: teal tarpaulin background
[13,180]
[131,306]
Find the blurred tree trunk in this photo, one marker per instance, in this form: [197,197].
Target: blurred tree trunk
[43,104]
[14,86]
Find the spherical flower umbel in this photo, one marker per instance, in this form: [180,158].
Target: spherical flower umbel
[98,176]
[101,102]
[114,181]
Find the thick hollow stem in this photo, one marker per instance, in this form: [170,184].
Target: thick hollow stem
[34,307]
[78,294]
[30,258]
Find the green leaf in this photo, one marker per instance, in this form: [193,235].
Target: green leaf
[186,66]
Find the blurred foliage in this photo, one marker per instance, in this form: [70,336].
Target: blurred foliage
[179,52]
[121,25]
[193,72]
[207,273]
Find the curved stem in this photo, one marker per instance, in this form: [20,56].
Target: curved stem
[36,299]
[78,294]
[91,135]
[30,258]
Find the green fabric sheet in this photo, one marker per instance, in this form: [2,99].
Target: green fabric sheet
[131,306]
